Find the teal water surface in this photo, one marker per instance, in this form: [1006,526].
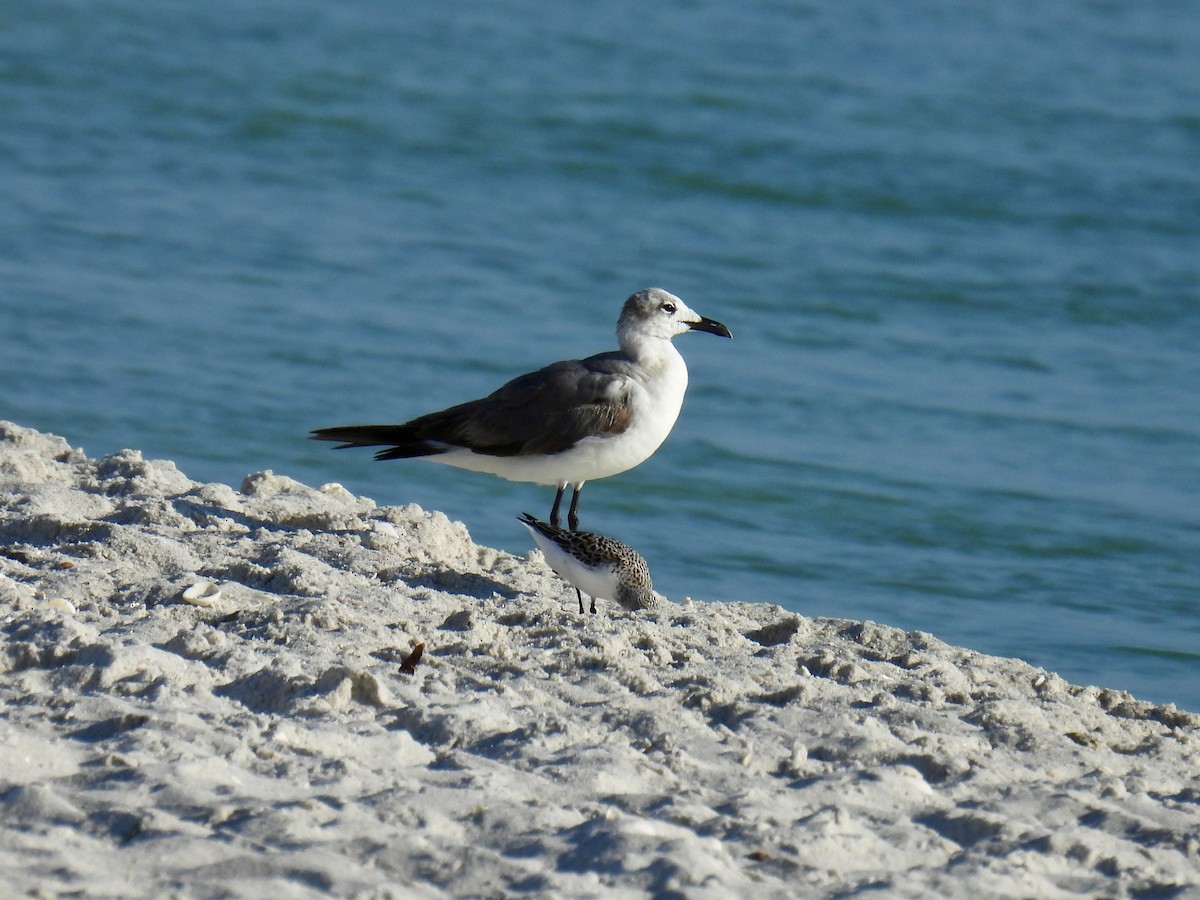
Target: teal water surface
[957,246]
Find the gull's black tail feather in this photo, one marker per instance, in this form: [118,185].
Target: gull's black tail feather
[399,440]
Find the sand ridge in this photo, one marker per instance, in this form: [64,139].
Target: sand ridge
[265,742]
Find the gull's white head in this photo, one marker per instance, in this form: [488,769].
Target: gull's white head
[654,313]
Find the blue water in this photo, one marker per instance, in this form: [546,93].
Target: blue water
[958,246]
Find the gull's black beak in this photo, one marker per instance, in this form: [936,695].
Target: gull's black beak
[712,326]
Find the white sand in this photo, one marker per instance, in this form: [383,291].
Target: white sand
[268,745]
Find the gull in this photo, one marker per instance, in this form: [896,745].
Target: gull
[567,424]
[594,564]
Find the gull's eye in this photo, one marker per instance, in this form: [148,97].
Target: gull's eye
[669,308]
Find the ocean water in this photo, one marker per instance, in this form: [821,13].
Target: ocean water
[958,247]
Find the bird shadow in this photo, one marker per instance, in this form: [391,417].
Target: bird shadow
[470,584]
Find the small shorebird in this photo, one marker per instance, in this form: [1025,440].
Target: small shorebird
[569,423]
[594,564]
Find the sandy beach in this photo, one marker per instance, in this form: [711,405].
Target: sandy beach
[205,694]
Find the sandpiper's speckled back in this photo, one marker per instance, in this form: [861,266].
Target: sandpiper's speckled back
[633,574]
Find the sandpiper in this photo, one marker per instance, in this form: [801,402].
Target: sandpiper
[594,564]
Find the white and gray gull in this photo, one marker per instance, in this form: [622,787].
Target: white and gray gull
[594,564]
[569,423]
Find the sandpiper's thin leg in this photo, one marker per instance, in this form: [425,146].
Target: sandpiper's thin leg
[580,596]
[557,503]
[573,512]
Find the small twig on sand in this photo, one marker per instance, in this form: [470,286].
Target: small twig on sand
[409,664]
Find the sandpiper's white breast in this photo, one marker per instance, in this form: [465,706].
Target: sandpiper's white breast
[599,581]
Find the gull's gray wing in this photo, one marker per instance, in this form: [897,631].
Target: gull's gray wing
[543,412]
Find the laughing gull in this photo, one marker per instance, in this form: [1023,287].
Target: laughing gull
[594,564]
[569,423]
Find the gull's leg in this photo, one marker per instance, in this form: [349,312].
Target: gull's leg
[557,503]
[573,513]
[580,596]
[593,604]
